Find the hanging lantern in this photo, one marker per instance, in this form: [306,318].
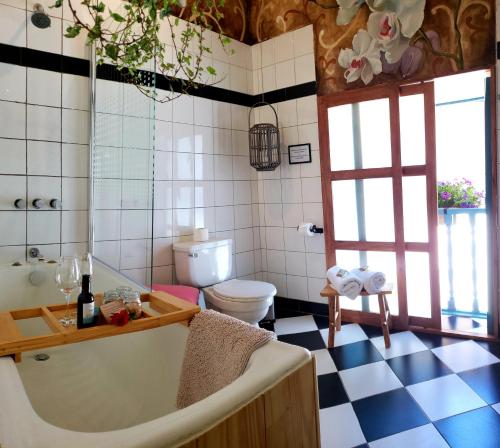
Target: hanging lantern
[264,142]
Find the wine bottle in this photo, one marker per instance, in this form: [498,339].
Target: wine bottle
[85,315]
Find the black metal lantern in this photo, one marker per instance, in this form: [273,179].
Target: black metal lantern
[264,142]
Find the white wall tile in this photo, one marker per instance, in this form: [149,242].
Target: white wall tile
[183,194]
[134,224]
[268,53]
[45,188]
[163,195]
[183,110]
[274,238]
[224,218]
[12,82]
[269,78]
[294,241]
[43,227]
[243,240]
[316,265]
[13,119]
[292,215]
[75,92]
[223,141]
[223,167]
[311,189]
[242,192]
[203,167]
[285,74]
[205,218]
[204,194]
[137,132]
[307,110]
[12,156]
[162,252]
[221,115]
[9,254]
[74,226]
[12,26]
[183,166]
[296,263]
[291,191]
[297,287]
[109,252]
[242,216]
[107,225]
[133,254]
[107,194]
[239,117]
[74,193]
[273,214]
[44,158]
[75,160]
[303,40]
[76,127]
[244,264]
[305,70]
[43,87]
[43,123]
[137,164]
[183,221]
[223,193]
[308,133]
[284,47]
[183,137]
[203,140]
[203,112]
[163,136]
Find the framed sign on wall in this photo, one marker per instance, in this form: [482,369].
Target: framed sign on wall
[299,153]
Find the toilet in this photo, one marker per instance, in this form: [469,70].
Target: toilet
[208,265]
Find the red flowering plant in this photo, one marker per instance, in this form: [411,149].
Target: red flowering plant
[459,193]
[120,318]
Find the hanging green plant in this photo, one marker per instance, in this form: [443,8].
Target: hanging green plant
[130,34]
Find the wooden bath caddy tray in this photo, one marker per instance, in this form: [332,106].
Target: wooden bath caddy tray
[12,342]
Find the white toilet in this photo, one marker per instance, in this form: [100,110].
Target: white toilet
[208,265]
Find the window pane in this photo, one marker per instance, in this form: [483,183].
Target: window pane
[360,135]
[363,210]
[415,209]
[418,286]
[412,128]
[376,261]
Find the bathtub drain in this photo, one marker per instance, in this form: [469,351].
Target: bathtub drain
[41,357]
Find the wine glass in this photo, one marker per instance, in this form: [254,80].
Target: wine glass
[67,279]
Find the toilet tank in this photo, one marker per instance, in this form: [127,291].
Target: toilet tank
[203,264]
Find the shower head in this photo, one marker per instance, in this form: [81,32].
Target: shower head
[40,18]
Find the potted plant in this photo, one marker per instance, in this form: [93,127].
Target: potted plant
[130,34]
[458,193]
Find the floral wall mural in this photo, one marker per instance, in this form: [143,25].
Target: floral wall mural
[370,42]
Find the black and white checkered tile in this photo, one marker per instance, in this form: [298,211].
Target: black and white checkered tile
[426,391]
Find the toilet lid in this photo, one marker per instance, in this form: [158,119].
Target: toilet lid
[244,289]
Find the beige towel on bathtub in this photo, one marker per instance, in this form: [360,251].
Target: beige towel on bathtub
[217,352]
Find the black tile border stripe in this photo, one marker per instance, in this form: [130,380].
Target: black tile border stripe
[28,57]
[299,306]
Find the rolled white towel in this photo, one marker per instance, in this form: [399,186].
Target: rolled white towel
[373,281]
[346,283]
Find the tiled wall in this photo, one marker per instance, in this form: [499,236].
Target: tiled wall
[202,176]
[292,193]
[43,142]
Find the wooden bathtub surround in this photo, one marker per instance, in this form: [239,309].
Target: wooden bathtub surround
[284,416]
[12,342]
[335,312]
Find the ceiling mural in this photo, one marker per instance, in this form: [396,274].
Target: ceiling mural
[368,42]
[360,43]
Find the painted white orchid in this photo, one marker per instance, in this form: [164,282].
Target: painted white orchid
[409,12]
[385,28]
[363,60]
[347,10]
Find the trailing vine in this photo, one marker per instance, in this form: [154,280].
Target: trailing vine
[142,35]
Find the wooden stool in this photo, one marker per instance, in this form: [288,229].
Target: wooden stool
[335,312]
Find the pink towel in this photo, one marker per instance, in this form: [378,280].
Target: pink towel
[183,292]
[217,352]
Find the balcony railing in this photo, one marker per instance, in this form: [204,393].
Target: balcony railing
[463,261]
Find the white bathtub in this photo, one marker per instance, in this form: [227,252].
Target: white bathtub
[119,391]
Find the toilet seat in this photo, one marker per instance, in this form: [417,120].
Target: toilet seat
[244,290]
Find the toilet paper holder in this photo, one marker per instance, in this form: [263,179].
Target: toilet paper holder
[313,229]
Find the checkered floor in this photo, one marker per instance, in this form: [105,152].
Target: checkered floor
[426,391]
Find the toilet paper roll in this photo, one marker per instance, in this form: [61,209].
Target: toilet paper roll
[200,234]
[305,229]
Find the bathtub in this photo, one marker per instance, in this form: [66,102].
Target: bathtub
[121,391]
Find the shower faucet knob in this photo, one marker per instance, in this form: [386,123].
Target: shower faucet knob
[20,204]
[55,204]
[37,203]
